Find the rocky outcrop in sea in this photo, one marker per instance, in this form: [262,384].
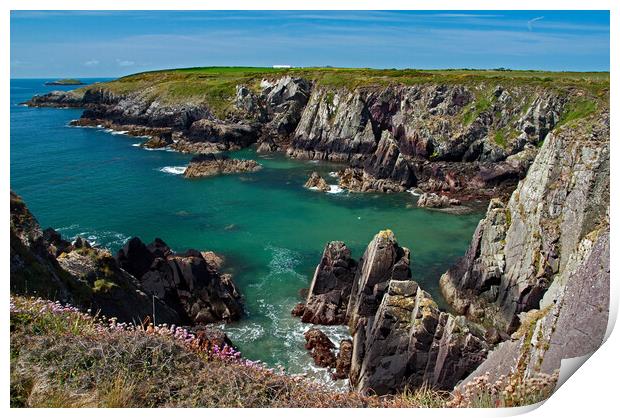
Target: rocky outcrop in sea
[316,182]
[400,338]
[207,165]
[142,283]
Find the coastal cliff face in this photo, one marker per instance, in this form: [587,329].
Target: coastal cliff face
[539,264]
[522,246]
[141,281]
[463,139]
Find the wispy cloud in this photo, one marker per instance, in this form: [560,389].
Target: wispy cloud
[530,22]
[91,63]
[124,63]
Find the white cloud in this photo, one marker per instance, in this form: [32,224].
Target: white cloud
[124,63]
[91,63]
[531,21]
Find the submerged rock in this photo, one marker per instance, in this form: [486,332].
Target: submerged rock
[316,182]
[206,165]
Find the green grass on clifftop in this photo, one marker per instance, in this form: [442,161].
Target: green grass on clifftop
[216,85]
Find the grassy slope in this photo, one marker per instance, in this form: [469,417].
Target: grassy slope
[216,85]
[63,358]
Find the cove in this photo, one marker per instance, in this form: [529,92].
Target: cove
[270,230]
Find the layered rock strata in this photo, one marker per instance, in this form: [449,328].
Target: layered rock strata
[538,264]
[522,246]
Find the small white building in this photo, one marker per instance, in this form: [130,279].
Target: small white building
[282,66]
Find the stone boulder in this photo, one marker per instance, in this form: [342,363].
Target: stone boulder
[207,165]
[433,200]
[320,347]
[316,182]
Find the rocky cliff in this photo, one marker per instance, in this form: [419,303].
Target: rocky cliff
[538,264]
[467,137]
[523,245]
[139,283]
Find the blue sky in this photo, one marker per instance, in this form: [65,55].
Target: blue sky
[114,43]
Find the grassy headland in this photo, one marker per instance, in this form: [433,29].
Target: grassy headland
[215,86]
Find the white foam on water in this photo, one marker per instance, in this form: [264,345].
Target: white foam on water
[333,174]
[414,192]
[246,333]
[119,132]
[175,170]
[334,188]
[137,144]
[106,239]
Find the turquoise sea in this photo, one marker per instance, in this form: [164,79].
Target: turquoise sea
[271,231]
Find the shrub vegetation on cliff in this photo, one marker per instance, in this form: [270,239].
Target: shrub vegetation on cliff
[61,357]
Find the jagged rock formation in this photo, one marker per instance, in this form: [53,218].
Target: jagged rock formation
[207,165]
[44,264]
[328,296]
[409,342]
[184,281]
[316,182]
[468,141]
[384,260]
[400,337]
[539,264]
[522,246]
[145,281]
